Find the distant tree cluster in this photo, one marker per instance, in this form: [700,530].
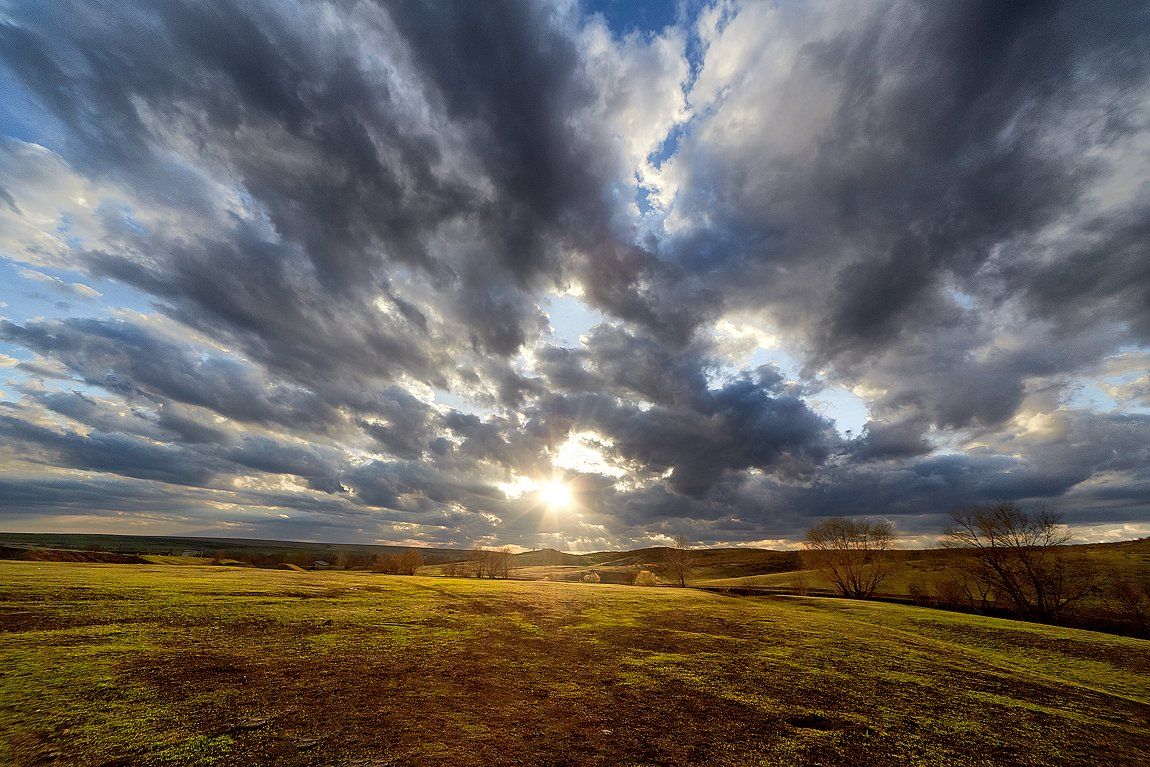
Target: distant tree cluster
[342,560]
[352,560]
[260,558]
[486,563]
[495,563]
[406,563]
[456,569]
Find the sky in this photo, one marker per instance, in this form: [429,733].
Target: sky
[588,275]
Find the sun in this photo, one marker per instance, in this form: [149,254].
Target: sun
[556,494]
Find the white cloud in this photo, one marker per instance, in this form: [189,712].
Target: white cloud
[75,288]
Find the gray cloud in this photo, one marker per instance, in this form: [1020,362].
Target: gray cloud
[114,453]
[919,145]
[129,360]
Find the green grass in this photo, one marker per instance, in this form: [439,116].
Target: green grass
[156,665]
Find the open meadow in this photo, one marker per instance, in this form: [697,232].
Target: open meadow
[156,665]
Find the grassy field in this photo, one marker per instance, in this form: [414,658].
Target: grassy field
[157,666]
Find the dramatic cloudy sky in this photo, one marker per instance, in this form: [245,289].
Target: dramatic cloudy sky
[376,270]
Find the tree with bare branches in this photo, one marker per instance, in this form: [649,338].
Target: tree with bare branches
[499,563]
[492,563]
[410,562]
[1020,556]
[853,554]
[680,560]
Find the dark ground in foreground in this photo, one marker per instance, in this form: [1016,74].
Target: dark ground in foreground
[153,666]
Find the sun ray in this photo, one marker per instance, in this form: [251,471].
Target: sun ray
[556,494]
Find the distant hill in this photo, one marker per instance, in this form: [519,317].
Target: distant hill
[548,558]
[164,545]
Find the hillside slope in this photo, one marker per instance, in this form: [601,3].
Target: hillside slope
[159,666]
[240,547]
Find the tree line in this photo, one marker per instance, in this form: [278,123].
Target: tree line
[1001,559]
[485,563]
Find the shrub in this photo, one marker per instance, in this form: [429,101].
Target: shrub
[646,578]
[950,592]
[798,584]
[918,593]
[1132,602]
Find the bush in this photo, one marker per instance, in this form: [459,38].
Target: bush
[646,578]
[918,593]
[1132,602]
[798,584]
[949,592]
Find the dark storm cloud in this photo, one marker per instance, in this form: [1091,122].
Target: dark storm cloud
[951,132]
[188,428]
[1105,273]
[399,484]
[917,495]
[87,410]
[616,361]
[105,495]
[697,432]
[524,138]
[109,500]
[1048,468]
[890,440]
[404,425]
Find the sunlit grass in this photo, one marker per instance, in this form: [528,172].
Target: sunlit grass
[198,665]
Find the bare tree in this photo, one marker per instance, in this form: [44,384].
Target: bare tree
[492,563]
[409,562]
[386,563]
[958,587]
[499,563]
[479,561]
[798,584]
[851,553]
[680,560]
[1020,556]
